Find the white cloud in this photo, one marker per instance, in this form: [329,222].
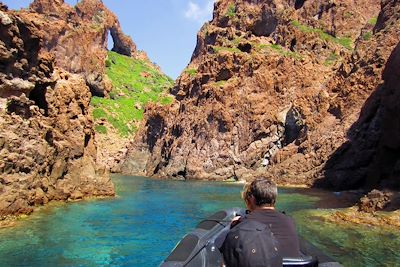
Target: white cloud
[200,14]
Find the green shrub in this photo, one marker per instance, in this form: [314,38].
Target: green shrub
[279,49]
[373,21]
[237,41]
[231,12]
[113,95]
[100,129]
[367,36]
[219,49]
[331,59]
[220,84]
[276,47]
[348,14]
[108,63]
[191,72]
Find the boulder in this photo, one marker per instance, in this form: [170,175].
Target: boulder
[374,201]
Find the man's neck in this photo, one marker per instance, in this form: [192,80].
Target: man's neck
[265,208]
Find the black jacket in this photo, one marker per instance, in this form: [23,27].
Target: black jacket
[261,238]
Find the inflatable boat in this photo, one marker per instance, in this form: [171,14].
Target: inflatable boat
[200,248]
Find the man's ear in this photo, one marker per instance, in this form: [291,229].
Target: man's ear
[251,202]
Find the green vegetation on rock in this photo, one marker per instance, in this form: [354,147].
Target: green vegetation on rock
[219,84]
[191,72]
[348,14]
[367,36]
[219,49]
[373,21]
[237,40]
[283,52]
[331,59]
[278,49]
[135,83]
[343,41]
[101,129]
[231,12]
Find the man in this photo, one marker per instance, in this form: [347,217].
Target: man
[277,231]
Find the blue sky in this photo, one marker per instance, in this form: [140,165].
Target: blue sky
[165,29]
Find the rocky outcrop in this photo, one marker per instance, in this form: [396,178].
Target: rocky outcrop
[374,201]
[47,149]
[273,88]
[370,157]
[78,37]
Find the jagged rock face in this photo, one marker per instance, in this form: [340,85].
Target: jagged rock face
[47,150]
[273,88]
[371,154]
[77,36]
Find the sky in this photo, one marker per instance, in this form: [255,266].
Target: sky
[165,29]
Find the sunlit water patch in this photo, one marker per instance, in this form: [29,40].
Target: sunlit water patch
[142,225]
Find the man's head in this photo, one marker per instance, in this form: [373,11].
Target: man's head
[260,193]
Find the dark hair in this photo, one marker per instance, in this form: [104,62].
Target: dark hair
[263,190]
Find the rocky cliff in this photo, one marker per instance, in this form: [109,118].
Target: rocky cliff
[78,37]
[370,155]
[276,87]
[52,61]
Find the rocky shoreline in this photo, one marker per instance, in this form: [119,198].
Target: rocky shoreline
[356,207]
[53,62]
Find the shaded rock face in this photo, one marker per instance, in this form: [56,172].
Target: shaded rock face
[273,88]
[371,156]
[47,150]
[77,36]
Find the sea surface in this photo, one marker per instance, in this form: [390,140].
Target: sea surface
[143,224]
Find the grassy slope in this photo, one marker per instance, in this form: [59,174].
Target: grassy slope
[135,83]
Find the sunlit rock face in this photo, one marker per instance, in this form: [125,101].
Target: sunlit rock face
[52,62]
[77,36]
[274,88]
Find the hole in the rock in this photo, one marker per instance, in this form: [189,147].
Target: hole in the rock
[38,95]
[299,4]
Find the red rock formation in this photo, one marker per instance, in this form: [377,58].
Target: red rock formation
[77,36]
[47,149]
[368,158]
[273,88]
[374,201]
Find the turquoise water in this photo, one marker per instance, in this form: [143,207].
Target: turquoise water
[142,225]
[352,245]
